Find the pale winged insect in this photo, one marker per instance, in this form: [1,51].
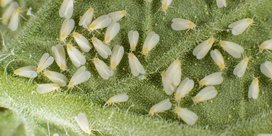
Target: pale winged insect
[82,42]
[117,15]
[201,50]
[47,88]
[14,19]
[266,69]
[76,57]
[233,49]
[212,79]
[116,57]
[28,72]
[83,123]
[102,49]
[66,28]
[100,23]
[171,77]
[218,59]
[165,5]
[179,24]
[253,91]
[221,3]
[186,115]
[60,56]
[133,38]
[150,42]
[4,3]
[87,18]
[66,9]
[205,94]
[56,77]
[117,99]
[184,88]
[241,67]
[80,76]
[135,65]
[240,26]
[266,45]
[8,12]
[111,32]
[103,69]
[45,61]
[162,106]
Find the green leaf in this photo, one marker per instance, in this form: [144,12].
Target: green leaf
[230,113]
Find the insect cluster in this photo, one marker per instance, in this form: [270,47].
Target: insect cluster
[171,77]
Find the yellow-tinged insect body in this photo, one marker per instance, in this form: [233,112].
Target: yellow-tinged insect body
[205,94]
[160,107]
[201,50]
[103,69]
[76,57]
[28,72]
[240,26]
[179,24]
[212,79]
[117,99]
[241,67]
[186,115]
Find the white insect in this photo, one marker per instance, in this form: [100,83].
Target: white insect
[56,77]
[221,3]
[218,59]
[83,123]
[55,134]
[240,26]
[102,68]
[160,107]
[117,15]
[241,67]
[205,94]
[29,12]
[77,58]
[135,65]
[253,91]
[150,42]
[179,24]
[82,42]
[203,48]
[186,115]
[66,28]
[60,56]
[4,3]
[184,88]
[28,72]
[102,49]
[47,88]
[14,19]
[165,5]
[133,38]
[100,23]
[233,49]
[116,57]
[87,18]
[45,61]
[117,99]
[212,79]
[66,9]
[266,45]
[171,77]
[111,32]
[8,12]
[80,76]
[266,69]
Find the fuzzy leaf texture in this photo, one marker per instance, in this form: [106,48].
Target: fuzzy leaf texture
[27,113]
